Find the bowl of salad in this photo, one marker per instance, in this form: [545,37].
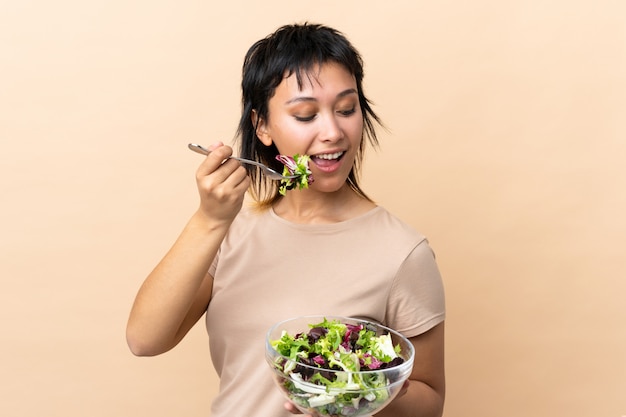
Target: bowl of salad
[338,366]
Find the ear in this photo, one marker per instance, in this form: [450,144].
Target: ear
[261,129]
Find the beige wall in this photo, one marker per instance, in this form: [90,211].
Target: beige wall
[509,118]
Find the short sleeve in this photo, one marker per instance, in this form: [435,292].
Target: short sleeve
[213,266]
[416,301]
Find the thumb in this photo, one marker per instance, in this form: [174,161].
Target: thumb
[215,145]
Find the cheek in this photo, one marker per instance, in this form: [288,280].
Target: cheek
[355,129]
[284,126]
[290,136]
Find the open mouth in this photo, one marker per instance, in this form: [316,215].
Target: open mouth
[327,159]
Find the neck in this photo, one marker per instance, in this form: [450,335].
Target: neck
[310,207]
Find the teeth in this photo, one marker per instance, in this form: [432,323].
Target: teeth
[330,156]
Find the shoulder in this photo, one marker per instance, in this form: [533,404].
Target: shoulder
[394,227]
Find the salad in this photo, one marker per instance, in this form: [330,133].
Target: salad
[336,368]
[298,165]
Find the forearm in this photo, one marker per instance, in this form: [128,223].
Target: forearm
[420,400]
[166,299]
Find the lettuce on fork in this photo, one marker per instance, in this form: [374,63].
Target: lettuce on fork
[299,166]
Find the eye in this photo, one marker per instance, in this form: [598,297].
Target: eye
[347,112]
[304,118]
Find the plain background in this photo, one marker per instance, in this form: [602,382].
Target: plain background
[505,146]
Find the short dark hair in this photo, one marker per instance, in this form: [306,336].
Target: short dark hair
[294,49]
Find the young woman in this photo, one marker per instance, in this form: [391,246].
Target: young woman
[324,250]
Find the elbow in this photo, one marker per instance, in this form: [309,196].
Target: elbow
[140,345]
[139,349]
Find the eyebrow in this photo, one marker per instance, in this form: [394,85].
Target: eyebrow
[307,98]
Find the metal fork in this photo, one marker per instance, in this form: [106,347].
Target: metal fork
[269,172]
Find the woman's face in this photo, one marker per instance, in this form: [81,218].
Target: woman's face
[323,119]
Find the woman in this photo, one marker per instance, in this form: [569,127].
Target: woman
[324,250]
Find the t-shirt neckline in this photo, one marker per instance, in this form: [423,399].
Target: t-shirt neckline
[325,226]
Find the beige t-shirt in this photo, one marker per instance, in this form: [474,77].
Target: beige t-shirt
[373,266]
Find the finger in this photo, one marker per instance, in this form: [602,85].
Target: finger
[238,179]
[228,183]
[292,408]
[403,389]
[231,173]
[214,161]
[214,146]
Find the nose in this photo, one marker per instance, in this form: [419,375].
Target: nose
[330,129]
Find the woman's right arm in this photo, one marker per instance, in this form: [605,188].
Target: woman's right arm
[177,292]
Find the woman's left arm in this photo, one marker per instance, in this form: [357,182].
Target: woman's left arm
[424,394]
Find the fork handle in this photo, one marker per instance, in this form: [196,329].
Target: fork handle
[199,148]
[204,151]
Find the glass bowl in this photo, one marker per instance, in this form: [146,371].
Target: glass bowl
[363,388]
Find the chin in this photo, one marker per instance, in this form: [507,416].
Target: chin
[329,187]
